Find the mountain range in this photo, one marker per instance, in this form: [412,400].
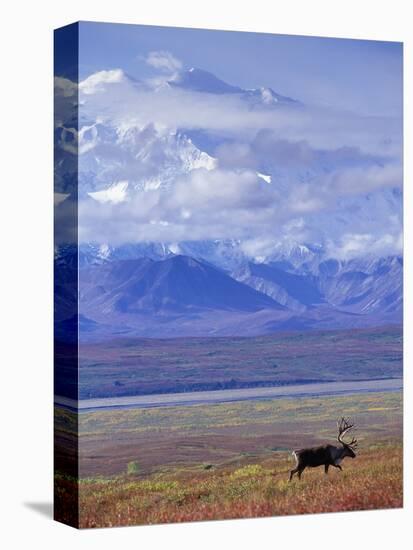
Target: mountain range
[183,296]
[217,286]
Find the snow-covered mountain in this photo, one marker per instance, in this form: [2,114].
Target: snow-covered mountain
[118,158]
[309,251]
[118,163]
[202,81]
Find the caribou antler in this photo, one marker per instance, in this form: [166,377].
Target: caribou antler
[353,444]
[344,426]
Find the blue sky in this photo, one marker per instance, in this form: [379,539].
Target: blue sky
[357,75]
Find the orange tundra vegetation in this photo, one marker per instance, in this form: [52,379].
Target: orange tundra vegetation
[373,481]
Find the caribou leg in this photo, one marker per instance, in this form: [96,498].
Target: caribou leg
[338,466]
[326,466]
[292,473]
[298,470]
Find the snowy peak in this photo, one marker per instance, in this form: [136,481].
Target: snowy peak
[116,162]
[199,80]
[267,96]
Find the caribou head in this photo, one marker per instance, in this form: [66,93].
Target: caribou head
[326,455]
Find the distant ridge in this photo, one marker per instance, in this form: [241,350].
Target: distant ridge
[177,284]
[183,296]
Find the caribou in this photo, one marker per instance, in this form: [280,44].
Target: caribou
[326,455]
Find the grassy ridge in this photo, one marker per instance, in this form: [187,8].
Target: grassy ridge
[372,481]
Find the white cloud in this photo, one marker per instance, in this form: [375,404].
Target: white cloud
[364,179]
[354,245]
[280,173]
[222,204]
[222,188]
[95,82]
[288,133]
[205,204]
[64,86]
[163,61]
[258,247]
[303,199]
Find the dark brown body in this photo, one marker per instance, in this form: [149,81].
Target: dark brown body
[326,455]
